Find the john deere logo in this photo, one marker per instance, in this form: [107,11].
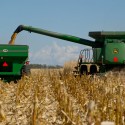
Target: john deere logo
[5,50]
[115,51]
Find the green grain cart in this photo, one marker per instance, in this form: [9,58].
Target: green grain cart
[107,52]
[13,61]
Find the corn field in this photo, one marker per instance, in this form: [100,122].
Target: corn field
[56,97]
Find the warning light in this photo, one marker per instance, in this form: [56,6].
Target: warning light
[115,59]
[5,64]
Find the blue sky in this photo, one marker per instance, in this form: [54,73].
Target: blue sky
[75,17]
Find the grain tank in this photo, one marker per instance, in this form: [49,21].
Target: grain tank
[106,53]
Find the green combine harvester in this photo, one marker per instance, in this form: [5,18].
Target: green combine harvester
[107,53]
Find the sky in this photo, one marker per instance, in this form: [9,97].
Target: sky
[74,17]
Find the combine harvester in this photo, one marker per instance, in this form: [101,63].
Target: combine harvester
[107,52]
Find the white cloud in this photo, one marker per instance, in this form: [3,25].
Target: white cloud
[55,54]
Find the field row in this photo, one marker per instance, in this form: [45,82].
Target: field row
[55,97]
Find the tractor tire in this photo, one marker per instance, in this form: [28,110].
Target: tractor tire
[26,70]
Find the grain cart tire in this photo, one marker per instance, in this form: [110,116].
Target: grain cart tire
[26,70]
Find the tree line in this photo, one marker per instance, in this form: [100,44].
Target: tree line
[43,66]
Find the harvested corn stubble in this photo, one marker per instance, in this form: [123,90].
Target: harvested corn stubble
[51,96]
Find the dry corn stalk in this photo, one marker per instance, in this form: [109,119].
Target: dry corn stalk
[2,114]
[35,107]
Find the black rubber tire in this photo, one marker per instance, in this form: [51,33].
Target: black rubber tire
[26,70]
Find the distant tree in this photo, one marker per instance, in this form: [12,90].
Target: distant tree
[43,66]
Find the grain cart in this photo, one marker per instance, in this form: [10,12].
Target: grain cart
[107,50]
[13,59]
